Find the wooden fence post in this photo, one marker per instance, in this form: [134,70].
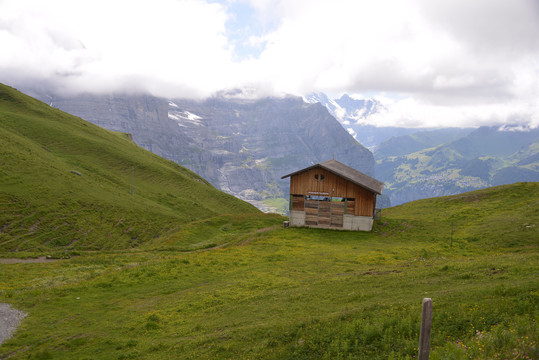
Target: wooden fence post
[424,333]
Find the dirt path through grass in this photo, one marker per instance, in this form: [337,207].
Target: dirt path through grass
[41,259]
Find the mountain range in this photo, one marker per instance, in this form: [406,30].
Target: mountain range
[352,115]
[242,147]
[451,161]
[422,163]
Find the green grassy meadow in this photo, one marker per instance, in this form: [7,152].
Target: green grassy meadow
[258,291]
[179,270]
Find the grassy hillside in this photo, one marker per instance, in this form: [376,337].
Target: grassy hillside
[66,184]
[298,293]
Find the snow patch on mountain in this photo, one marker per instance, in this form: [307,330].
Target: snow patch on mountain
[347,110]
[184,118]
[514,128]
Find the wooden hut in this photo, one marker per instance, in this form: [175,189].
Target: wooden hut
[333,195]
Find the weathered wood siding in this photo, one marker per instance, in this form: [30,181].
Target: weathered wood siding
[364,201]
[337,213]
[318,181]
[298,202]
[350,207]
[324,213]
[311,212]
[305,183]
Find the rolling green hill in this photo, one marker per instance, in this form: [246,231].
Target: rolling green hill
[298,293]
[66,184]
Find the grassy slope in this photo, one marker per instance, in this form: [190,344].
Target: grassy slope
[299,293]
[44,205]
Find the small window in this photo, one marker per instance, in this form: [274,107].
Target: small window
[316,176]
[322,177]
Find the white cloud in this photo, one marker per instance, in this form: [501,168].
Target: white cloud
[412,112]
[450,62]
[444,61]
[164,45]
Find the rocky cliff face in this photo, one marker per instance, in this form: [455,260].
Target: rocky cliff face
[241,146]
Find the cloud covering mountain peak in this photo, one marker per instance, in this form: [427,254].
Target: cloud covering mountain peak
[432,62]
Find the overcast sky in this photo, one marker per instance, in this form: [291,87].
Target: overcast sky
[431,62]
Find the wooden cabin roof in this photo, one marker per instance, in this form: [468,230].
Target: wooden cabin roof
[347,173]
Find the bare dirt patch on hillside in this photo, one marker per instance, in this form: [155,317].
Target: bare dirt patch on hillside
[10,320]
[38,260]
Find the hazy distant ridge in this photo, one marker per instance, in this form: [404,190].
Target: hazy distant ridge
[434,163]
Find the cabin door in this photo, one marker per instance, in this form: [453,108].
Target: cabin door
[324,213]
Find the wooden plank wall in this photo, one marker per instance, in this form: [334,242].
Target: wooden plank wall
[333,186]
[337,213]
[311,212]
[364,201]
[350,207]
[298,202]
[324,213]
[305,183]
